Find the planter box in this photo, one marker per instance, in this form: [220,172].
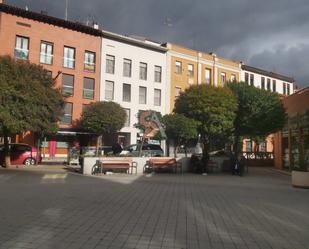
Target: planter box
[300,179]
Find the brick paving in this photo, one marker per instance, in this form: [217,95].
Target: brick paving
[55,210]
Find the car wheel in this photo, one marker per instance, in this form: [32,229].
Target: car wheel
[29,161]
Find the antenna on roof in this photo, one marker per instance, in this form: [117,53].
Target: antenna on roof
[66,9]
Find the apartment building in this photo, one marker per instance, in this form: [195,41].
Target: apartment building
[187,67]
[133,75]
[69,51]
[267,80]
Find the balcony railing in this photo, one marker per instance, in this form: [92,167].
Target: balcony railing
[88,94]
[88,66]
[22,54]
[46,58]
[68,62]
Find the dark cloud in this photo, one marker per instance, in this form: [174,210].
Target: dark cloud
[270,34]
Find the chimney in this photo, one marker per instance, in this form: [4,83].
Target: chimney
[95,25]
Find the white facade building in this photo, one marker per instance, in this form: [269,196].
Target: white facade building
[267,80]
[133,74]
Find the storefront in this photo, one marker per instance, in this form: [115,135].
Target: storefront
[292,143]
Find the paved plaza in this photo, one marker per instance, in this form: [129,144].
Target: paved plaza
[58,209]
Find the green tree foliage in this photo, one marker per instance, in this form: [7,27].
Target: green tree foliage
[103,118]
[179,129]
[29,101]
[214,108]
[259,112]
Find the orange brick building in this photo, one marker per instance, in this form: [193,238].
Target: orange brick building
[286,150]
[69,51]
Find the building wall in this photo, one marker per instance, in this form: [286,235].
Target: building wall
[137,54]
[60,37]
[201,62]
[258,78]
[295,104]
[37,31]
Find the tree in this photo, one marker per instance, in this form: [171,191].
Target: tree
[213,107]
[180,129]
[103,118]
[29,101]
[259,112]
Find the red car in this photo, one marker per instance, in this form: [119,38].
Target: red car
[21,154]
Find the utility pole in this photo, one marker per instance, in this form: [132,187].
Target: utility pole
[66,9]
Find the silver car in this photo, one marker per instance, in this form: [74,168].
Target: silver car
[149,150]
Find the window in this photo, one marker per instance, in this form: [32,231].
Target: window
[288,89]
[22,48]
[233,77]
[126,93]
[67,115]
[268,84]
[142,71]
[88,91]
[109,90]
[263,83]
[46,54]
[223,78]
[89,63]
[69,57]
[247,78]
[208,76]
[127,64]
[110,64]
[190,70]
[274,85]
[142,95]
[251,79]
[263,147]
[158,73]
[67,84]
[62,144]
[177,92]
[178,67]
[127,122]
[284,88]
[157,97]
[248,146]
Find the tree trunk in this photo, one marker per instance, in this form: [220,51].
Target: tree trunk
[205,157]
[7,158]
[167,148]
[186,152]
[99,140]
[175,150]
[236,145]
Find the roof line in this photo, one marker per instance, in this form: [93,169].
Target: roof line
[267,73]
[132,41]
[49,19]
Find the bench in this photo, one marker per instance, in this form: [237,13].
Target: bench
[107,164]
[164,163]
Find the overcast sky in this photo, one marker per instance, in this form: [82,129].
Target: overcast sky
[269,34]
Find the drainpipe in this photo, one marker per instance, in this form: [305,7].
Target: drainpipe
[215,79]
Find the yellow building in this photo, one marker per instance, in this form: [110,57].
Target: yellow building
[187,67]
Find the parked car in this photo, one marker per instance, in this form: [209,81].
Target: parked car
[147,150]
[21,154]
